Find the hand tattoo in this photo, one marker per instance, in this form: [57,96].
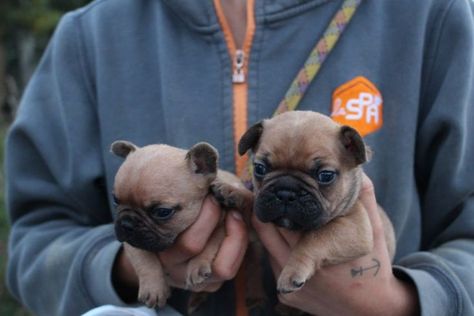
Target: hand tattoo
[360,271]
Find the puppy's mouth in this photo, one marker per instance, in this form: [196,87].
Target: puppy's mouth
[296,218]
[287,223]
[134,231]
[289,203]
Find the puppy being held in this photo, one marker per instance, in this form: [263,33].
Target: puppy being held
[159,191]
[307,176]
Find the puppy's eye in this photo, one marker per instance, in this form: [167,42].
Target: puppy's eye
[326,177]
[162,213]
[259,170]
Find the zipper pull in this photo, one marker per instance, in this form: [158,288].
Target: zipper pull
[239,76]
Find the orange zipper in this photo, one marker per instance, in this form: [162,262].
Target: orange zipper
[239,75]
[240,99]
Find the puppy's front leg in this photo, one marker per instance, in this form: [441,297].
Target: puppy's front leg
[200,267]
[342,239]
[153,288]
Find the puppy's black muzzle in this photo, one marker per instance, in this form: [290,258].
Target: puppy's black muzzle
[288,202]
[132,230]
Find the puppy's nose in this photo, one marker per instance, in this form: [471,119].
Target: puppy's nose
[126,223]
[286,195]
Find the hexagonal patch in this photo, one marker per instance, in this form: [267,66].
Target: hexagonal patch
[358,103]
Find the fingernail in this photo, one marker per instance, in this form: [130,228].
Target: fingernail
[236,215]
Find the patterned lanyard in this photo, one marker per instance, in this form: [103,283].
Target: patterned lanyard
[317,57]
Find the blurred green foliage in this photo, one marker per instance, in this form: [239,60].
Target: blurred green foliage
[35,16]
[25,28]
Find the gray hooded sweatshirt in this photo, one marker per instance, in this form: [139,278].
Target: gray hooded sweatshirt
[159,71]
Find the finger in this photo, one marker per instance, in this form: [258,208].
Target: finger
[193,240]
[232,250]
[367,198]
[273,241]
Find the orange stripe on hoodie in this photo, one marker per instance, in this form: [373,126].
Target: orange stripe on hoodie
[239,89]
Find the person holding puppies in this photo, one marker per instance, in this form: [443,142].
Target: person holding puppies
[177,73]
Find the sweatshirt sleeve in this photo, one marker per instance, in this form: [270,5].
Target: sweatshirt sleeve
[62,244]
[444,271]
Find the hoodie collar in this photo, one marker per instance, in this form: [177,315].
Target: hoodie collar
[201,15]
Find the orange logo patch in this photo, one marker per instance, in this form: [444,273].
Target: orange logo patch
[358,103]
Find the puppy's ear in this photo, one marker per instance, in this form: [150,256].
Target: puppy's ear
[202,159]
[122,148]
[354,144]
[251,137]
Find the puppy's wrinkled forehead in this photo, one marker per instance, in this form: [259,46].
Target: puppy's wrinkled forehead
[155,173]
[302,136]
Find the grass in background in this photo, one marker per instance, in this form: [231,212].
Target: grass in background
[8,305]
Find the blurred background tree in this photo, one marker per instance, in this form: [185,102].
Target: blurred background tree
[25,28]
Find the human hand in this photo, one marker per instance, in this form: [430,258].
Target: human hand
[188,245]
[365,286]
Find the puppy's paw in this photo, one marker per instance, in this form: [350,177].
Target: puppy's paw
[154,294]
[230,192]
[291,280]
[225,194]
[197,273]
